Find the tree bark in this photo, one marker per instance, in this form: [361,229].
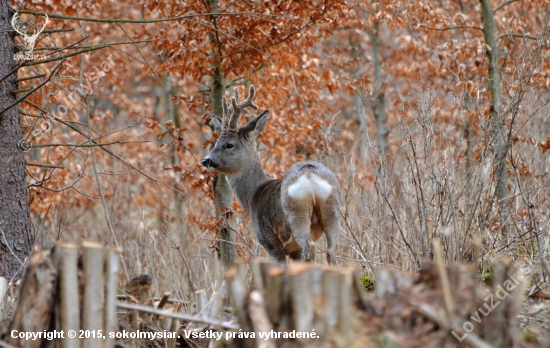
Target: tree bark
[15,223]
[36,300]
[498,129]
[469,149]
[379,107]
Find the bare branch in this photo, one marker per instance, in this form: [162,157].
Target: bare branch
[102,194]
[31,77]
[524,36]
[72,47]
[16,69]
[55,71]
[87,49]
[502,5]
[452,27]
[43,165]
[94,144]
[152,310]
[60,30]
[169,19]
[13,71]
[139,170]
[177,247]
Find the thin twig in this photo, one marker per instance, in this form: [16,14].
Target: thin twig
[177,247]
[139,170]
[55,70]
[152,310]
[452,27]
[65,56]
[431,313]
[169,19]
[60,30]
[8,245]
[443,278]
[105,210]
[43,165]
[72,47]
[524,36]
[31,77]
[401,230]
[94,144]
[502,5]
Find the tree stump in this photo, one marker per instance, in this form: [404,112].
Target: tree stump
[306,305]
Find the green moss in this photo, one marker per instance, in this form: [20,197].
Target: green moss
[487,277]
[383,341]
[530,336]
[368,283]
[545,313]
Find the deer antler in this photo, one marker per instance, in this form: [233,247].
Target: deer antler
[227,112]
[231,113]
[237,108]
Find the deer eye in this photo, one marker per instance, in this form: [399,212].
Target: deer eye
[229,146]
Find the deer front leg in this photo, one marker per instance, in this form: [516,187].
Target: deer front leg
[268,239]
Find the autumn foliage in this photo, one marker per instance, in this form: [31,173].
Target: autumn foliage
[141,132]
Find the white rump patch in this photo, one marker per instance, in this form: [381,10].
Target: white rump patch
[310,185]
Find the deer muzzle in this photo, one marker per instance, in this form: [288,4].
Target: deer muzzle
[208,163]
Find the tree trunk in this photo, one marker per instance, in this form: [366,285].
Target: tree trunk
[15,221]
[498,129]
[379,105]
[362,137]
[469,133]
[223,195]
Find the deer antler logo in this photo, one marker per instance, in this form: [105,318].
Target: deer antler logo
[29,40]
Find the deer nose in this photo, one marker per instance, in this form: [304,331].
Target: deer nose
[207,162]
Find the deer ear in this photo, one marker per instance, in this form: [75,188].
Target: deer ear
[216,122]
[253,128]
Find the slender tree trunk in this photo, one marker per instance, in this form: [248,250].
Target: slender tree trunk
[379,105]
[469,133]
[15,221]
[360,117]
[361,142]
[223,195]
[495,88]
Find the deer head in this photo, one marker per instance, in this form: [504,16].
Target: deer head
[29,40]
[235,150]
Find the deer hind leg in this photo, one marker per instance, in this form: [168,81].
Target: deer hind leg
[300,225]
[296,255]
[330,219]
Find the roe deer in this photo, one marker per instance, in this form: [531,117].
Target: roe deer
[287,214]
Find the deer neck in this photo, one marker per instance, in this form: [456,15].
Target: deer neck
[246,183]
